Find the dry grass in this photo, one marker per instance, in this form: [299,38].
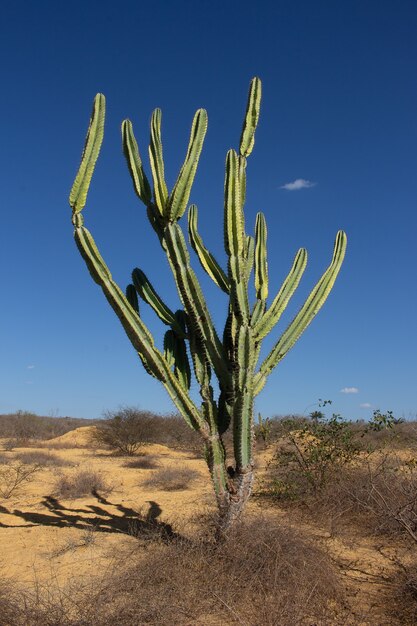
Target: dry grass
[142,462]
[44,459]
[170,479]
[278,578]
[81,483]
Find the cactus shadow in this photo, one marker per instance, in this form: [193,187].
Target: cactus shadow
[105,516]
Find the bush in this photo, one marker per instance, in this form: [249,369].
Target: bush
[45,459]
[311,453]
[142,462]
[386,493]
[170,479]
[14,475]
[81,483]
[126,431]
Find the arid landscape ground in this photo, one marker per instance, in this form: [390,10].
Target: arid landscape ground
[91,537]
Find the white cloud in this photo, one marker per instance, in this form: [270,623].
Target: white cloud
[365,405]
[349,390]
[298,183]
[31,367]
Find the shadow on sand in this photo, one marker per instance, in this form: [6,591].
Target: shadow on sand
[125,520]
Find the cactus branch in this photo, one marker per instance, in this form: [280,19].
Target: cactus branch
[207,260]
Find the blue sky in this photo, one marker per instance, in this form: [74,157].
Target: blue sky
[339,110]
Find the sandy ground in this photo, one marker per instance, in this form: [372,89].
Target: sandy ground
[45,539]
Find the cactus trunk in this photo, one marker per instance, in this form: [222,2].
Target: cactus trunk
[192,345]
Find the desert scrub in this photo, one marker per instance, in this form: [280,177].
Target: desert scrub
[14,475]
[126,431]
[142,462]
[311,453]
[279,578]
[170,479]
[44,459]
[81,483]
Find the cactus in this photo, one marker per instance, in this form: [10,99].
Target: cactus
[192,343]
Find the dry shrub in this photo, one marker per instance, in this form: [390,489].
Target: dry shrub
[81,483]
[142,462]
[14,476]
[262,576]
[41,458]
[404,597]
[23,427]
[170,479]
[375,496]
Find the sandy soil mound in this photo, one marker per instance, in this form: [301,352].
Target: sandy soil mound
[75,438]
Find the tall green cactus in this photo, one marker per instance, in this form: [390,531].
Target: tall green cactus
[192,339]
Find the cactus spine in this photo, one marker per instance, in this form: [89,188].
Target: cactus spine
[234,357]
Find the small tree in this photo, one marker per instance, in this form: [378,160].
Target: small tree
[126,430]
[233,356]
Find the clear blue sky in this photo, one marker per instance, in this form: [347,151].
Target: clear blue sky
[339,110]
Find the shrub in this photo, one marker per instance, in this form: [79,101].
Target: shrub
[81,483]
[126,430]
[14,475]
[170,479]
[310,454]
[386,493]
[36,457]
[142,462]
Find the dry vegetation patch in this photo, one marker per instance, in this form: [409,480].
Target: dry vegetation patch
[170,478]
[81,483]
[279,578]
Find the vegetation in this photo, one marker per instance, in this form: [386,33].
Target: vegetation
[81,483]
[232,358]
[351,490]
[170,479]
[126,430]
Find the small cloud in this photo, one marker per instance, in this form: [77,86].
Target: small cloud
[365,405]
[31,367]
[349,390]
[298,183]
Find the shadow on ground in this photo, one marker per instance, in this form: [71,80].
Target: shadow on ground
[124,520]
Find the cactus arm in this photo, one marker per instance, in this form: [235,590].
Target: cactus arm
[235,238]
[169,348]
[134,162]
[250,123]
[261,265]
[263,324]
[181,192]
[193,300]
[149,295]
[207,260]
[242,179]
[306,314]
[249,255]
[94,139]
[132,297]
[233,216]
[137,332]
[157,163]
[176,351]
